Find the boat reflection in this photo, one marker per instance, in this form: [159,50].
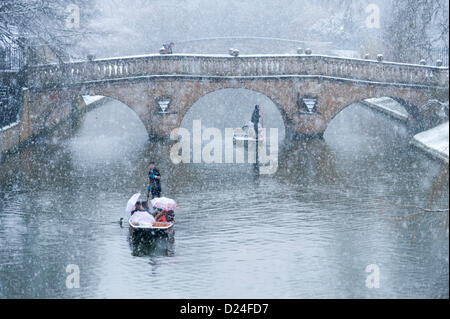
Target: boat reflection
[147,244]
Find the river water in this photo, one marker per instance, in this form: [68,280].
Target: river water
[334,207]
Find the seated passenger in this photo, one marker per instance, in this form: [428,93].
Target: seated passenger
[165,216]
[170,216]
[137,207]
[145,206]
[139,214]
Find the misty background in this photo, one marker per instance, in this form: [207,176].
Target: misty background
[403,30]
[138,26]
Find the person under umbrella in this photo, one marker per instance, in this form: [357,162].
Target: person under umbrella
[136,212]
[131,205]
[164,209]
[140,215]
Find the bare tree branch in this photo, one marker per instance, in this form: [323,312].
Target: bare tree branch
[33,23]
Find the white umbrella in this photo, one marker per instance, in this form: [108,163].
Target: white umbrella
[142,218]
[132,204]
[164,203]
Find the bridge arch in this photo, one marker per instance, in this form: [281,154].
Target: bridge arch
[234,102]
[411,109]
[105,129]
[184,93]
[335,97]
[89,103]
[133,97]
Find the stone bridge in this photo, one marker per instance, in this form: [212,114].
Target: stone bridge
[329,84]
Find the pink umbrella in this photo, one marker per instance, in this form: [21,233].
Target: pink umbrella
[164,203]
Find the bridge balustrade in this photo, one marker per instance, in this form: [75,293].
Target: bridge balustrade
[221,66]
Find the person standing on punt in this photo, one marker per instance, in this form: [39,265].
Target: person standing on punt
[255,120]
[154,182]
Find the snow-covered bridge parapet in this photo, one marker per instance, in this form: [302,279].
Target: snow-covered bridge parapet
[221,66]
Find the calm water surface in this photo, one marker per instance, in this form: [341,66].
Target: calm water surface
[308,231]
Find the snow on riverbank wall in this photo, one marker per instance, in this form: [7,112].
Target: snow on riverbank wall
[434,141]
[388,107]
[20,133]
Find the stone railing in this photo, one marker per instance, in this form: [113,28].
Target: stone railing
[54,75]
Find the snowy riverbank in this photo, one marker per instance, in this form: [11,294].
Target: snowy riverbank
[389,107]
[434,141]
[17,134]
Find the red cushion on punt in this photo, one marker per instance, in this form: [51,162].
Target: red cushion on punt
[161,224]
